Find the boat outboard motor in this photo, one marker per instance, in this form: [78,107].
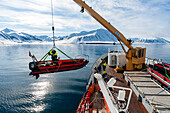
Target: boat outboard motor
[37,76]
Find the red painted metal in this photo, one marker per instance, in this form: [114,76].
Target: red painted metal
[156,75]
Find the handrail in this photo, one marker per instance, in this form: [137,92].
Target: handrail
[84,56]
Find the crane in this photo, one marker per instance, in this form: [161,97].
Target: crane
[135,56]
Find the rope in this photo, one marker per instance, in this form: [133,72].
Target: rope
[55,66]
[166,71]
[58,66]
[53,33]
[52,12]
[45,55]
[157,94]
[44,60]
[52,15]
[166,74]
[52,21]
[123,47]
[64,53]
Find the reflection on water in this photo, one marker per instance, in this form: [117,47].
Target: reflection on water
[55,92]
[41,89]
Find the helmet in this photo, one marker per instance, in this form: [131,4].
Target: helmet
[53,51]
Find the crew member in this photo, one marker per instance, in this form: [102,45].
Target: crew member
[104,75]
[104,67]
[53,54]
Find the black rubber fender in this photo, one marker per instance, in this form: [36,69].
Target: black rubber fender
[33,65]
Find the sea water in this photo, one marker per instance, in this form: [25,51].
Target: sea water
[52,92]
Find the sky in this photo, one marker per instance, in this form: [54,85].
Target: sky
[133,18]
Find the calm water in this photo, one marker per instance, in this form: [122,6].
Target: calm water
[51,93]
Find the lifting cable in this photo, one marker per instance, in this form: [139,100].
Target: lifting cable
[63,53]
[46,55]
[52,22]
[123,48]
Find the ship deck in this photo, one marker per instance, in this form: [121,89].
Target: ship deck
[148,92]
[147,96]
[151,97]
[135,106]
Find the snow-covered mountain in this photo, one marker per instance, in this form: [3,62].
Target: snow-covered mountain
[149,40]
[99,35]
[8,35]
[94,36]
[44,38]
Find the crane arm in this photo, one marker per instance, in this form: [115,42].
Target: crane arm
[106,24]
[135,56]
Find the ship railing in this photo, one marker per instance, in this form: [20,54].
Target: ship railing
[94,69]
[98,62]
[149,61]
[83,56]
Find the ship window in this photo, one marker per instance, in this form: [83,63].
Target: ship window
[139,53]
[134,53]
[142,52]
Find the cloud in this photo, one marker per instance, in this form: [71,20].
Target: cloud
[134,18]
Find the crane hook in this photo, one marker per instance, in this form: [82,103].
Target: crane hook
[82,10]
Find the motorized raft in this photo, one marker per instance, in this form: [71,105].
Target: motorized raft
[48,66]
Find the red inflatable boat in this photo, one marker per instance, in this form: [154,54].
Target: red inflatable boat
[61,65]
